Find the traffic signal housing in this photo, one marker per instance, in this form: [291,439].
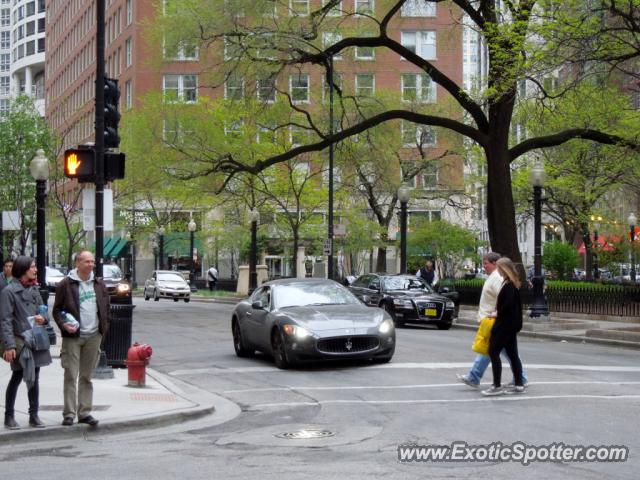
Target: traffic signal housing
[111,113]
[113,166]
[80,163]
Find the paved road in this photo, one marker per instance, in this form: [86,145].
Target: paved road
[580,395]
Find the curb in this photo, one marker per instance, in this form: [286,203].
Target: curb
[567,338]
[205,404]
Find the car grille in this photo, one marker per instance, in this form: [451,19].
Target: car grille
[439,306]
[348,344]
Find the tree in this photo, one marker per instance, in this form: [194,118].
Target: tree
[23,133]
[449,244]
[560,258]
[277,45]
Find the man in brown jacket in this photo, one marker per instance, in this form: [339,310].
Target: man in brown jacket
[86,298]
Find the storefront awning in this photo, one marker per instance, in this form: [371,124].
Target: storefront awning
[178,243]
[116,249]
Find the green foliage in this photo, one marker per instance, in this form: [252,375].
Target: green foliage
[560,258]
[448,244]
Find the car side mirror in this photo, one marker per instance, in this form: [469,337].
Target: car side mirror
[374,287]
[444,290]
[366,299]
[257,305]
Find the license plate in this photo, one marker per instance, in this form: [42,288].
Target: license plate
[430,312]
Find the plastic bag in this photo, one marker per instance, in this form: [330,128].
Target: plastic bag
[483,336]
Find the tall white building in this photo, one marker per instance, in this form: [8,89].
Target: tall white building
[22,50]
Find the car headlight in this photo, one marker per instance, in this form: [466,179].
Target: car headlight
[399,302]
[295,331]
[450,304]
[122,288]
[386,326]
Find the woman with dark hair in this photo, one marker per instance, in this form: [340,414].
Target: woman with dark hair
[19,303]
[505,329]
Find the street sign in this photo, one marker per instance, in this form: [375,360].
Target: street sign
[327,247]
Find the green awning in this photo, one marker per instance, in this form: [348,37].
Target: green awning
[116,251]
[108,244]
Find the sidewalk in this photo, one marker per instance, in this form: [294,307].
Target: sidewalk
[613,331]
[163,401]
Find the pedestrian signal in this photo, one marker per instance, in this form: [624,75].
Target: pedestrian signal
[80,164]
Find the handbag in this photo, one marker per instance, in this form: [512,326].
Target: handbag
[483,336]
[40,338]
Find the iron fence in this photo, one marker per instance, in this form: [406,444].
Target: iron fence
[615,300]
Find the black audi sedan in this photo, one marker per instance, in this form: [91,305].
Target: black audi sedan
[407,298]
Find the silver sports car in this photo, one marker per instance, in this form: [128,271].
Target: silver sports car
[310,319]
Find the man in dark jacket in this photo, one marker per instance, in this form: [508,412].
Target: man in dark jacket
[5,276]
[86,298]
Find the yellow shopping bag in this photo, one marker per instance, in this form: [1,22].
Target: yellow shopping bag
[481,342]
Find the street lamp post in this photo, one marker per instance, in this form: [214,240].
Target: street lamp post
[403,196]
[192,271]
[161,243]
[132,240]
[254,216]
[39,168]
[539,306]
[632,235]
[596,269]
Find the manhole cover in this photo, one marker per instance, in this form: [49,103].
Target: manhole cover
[306,433]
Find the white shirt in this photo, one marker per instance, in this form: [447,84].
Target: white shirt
[489,295]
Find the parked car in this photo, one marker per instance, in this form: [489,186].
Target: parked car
[53,277]
[118,287]
[407,299]
[167,284]
[301,319]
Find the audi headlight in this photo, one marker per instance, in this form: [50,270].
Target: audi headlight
[295,331]
[385,327]
[399,302]
[122,289]
[450,304]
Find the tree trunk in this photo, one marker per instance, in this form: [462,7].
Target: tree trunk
[296,240]
[381,261]
[501,215]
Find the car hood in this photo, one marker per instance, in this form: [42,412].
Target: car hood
[320,318]
[413,294]
[171,284]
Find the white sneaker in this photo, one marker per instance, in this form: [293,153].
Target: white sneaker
[513,384]
[493,391]
[467,381]
[515,389]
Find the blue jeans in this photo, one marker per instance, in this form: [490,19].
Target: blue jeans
[481,363]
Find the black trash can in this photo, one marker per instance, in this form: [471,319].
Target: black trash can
[118,339]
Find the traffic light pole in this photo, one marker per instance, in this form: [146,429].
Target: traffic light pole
[99,135]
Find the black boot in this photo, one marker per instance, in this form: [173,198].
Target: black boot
[10,422]
[35,422]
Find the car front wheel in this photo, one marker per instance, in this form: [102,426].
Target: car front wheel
[156,297]
[146,297]
[279,351]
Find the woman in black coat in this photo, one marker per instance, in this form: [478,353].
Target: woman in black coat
[504,333]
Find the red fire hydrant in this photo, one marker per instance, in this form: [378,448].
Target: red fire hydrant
[137,359]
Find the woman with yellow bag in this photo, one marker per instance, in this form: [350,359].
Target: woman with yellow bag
[505,329]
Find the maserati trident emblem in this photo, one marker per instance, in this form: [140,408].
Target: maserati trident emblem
[348,345]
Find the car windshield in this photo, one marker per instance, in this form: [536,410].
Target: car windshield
[111,271]
[303,294]
[170,277]
[405,283]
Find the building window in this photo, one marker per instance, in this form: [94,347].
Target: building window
[5,40]
[298,8]
[418,8]
[5,62]
[129,12]
[4,106]
[232,49]
[298,135]
[365,53]
[266,89]
[364,7]
[430,176]
[405,174]
[5,17]
[414,135]
[429,215]
[233,129]
[299,88]
[331,38]
[128,94]
[418,87]
[422,43]
[365,84]
[234,87]
[180,88]
[4,85]
[335,11]
[129,51]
